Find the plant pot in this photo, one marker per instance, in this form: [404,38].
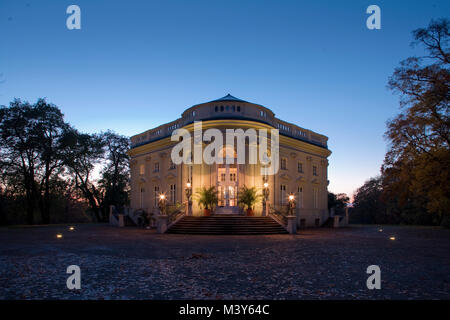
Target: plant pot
[250,212]
[206,212]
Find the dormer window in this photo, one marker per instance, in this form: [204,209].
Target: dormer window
[239,108]
[221,108]
[216,108]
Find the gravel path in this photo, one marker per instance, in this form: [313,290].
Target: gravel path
[131,263]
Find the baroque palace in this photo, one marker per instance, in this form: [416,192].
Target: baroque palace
[302,173]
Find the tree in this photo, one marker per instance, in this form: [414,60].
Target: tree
[31,150]
[115,179]
[19,151]
[368,206]
[337,201]
[50,131]
[416,167]
[85,152]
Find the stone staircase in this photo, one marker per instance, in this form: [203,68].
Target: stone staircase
[227,224]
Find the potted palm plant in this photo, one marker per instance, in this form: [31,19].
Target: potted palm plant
[247,198]
[207,199]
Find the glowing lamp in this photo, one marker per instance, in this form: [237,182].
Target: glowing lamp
[266,184]
[291,197]
[71,228]
[392,238]
[59,236]
[188,184]
[162,197]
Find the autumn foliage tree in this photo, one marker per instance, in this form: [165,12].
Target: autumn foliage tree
[416,167]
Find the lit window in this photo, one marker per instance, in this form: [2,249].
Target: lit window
[142,169]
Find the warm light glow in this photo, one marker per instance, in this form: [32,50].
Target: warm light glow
[188,184]
[392,238]
[59,236]
[381,230]
[291,197]
[162,196]
[71,228]
[266,184]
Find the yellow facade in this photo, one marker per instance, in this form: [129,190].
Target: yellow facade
[302,156]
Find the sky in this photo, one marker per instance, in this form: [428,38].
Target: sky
[135,65]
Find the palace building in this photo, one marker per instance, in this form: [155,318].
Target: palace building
[302,159]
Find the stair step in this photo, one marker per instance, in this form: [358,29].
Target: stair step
[227,224]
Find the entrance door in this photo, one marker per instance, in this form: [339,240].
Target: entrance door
[227,185]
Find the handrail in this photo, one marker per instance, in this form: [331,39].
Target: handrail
[279,214]
[175,212]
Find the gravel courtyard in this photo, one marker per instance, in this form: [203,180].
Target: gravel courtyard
[131,263]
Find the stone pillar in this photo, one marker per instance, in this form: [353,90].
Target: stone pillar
[121,220]
[292,224]
[265,210]
[336,222]
[189,208]
[332,212]
[162,223]
[346,216]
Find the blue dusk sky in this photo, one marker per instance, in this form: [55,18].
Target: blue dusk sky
[137,64]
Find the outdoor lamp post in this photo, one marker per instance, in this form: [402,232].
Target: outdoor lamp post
[162,203]
[265,198]
[188,192]
[291,204]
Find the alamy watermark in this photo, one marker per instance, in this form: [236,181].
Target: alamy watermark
[190,149]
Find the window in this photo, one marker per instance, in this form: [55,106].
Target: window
[232,177]
[316,198]
[221,108]
[315,171]
[222,176]
[216,108]
[239,108]
[142,169]
[155,196]
[300,167]
[283,194]
[227,108]
[284,163]
[193,113]
[141,198]
[233,108]
[173,194]
[300,197]
[156,167]
[172,165]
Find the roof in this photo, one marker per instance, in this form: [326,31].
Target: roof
[229,97]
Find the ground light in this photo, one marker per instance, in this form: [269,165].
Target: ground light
[59,235]
[392,238]
[71,228]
